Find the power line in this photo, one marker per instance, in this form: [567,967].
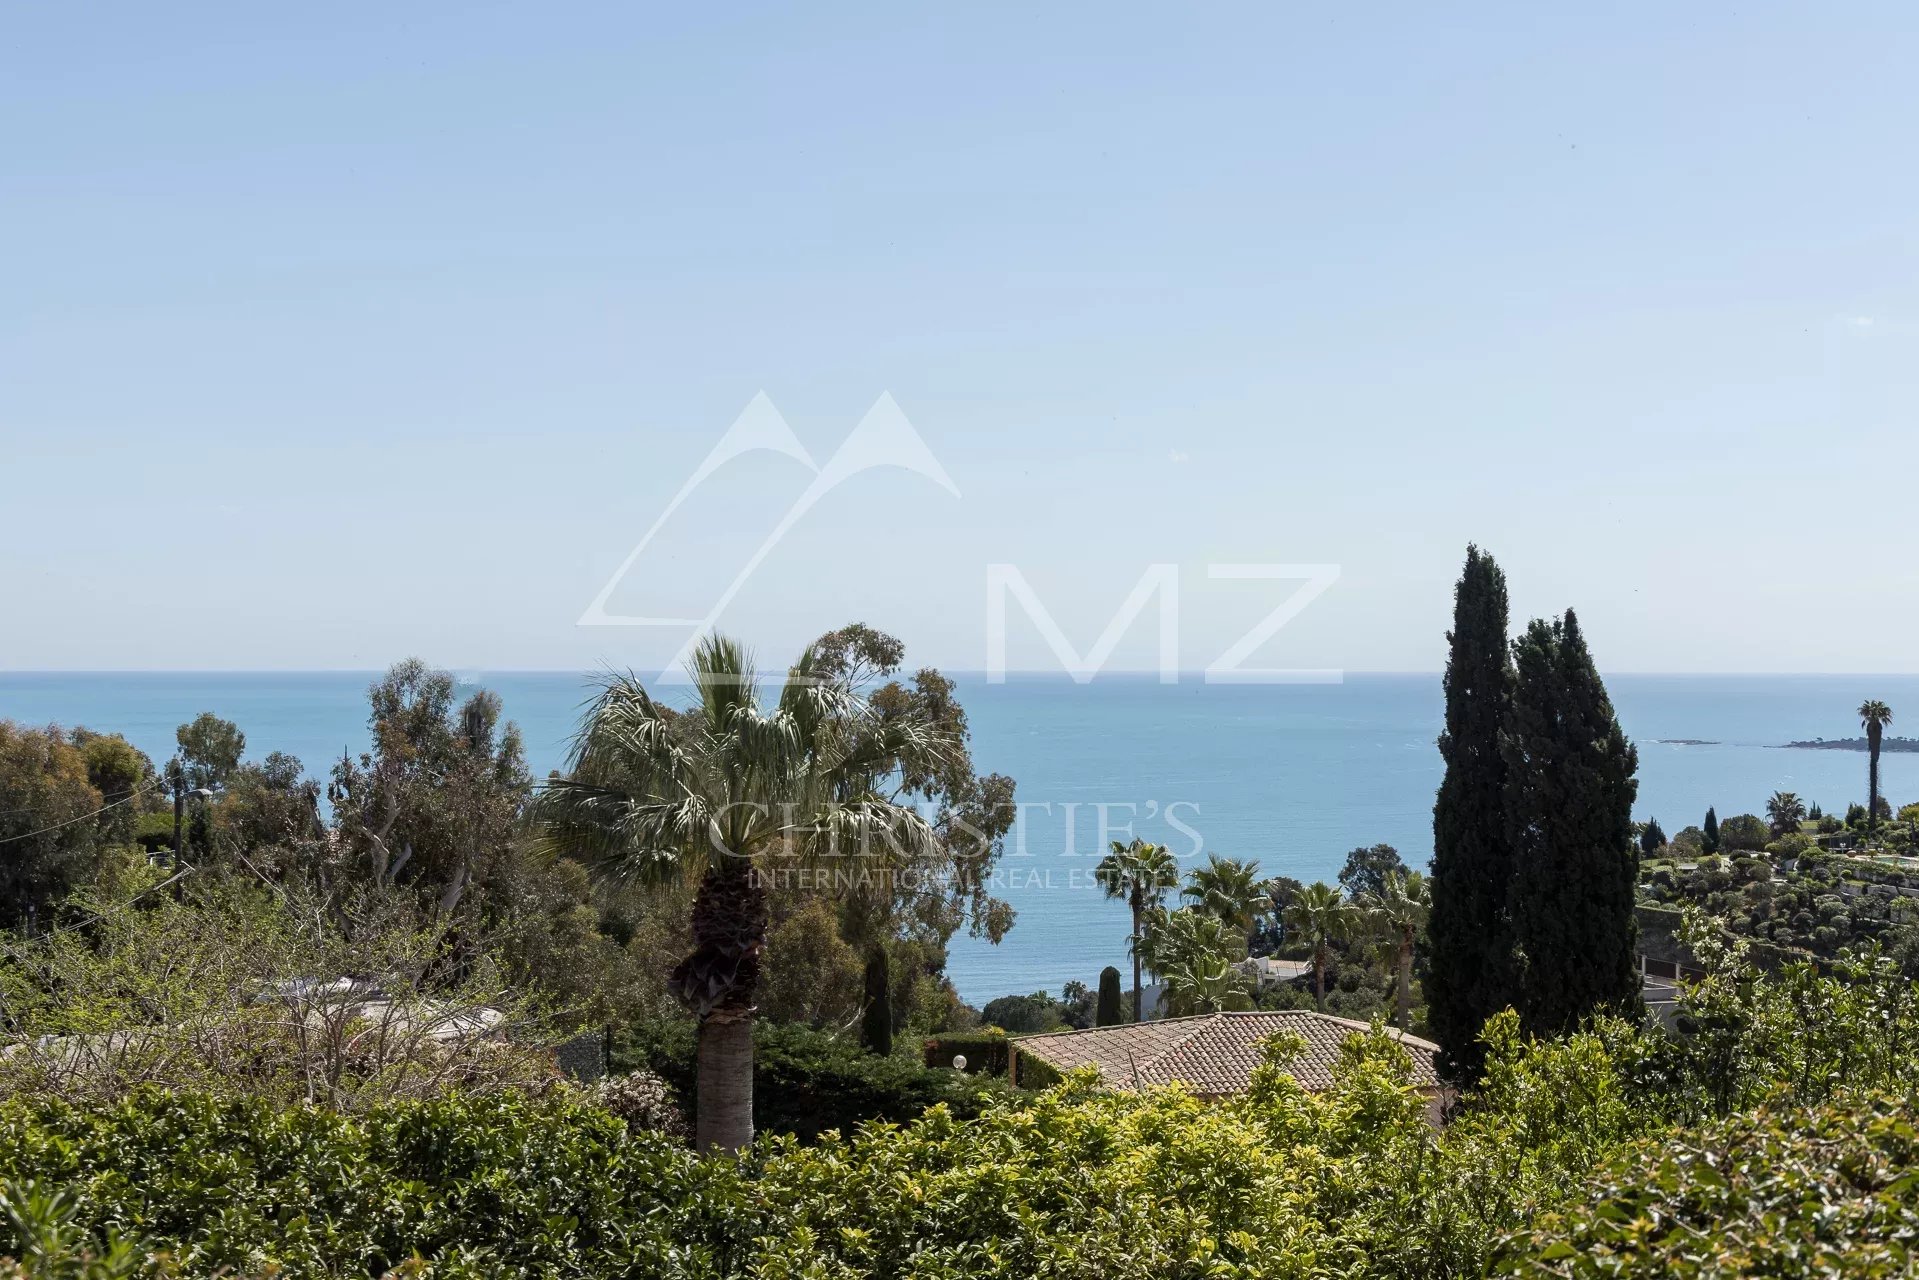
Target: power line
[16,949]
[117,795]
[128,798]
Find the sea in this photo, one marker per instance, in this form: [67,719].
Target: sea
[1293,776]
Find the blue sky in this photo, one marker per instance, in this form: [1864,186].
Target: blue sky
[330,334]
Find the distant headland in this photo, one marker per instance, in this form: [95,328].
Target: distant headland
[1856,744]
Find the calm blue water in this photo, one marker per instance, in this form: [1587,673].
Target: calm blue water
[1292,775]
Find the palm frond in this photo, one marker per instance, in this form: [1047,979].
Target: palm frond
[723,675]
[876,831]
[621,837]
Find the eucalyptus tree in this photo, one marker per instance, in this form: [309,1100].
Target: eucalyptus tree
[210,749]
[1874,716]
[911,747]
[1399,912]
[734,793]
[48,846]
[1366,870]
[436,803]
[1139,874]
[1318,916]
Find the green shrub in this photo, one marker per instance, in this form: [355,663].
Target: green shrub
[510,1184]
[1792,844]
[1744,831]
[48,1242]
[154,832]
[1076,1181]
[1826,1192]
[805,1082]
[644,1102]
[1036,1073]
[986,1052]
[1023,1014]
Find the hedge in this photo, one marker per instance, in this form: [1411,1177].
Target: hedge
[491,1185]
[1074,1183]
[986,1052]
[1827,1192]
[1079,1182]
[806,1082]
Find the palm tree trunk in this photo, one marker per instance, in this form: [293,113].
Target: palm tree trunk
[718,982]
[1872,778]
[725,1084]
[1404,1005]
[1139,1010]
[1319,977]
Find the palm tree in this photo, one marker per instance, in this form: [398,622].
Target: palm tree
[1875,716]
[1228,889]
[1276,892]
[1785,811]
[1205,984]
[1193,952]
[1138,874]
[1319,916]
[1399,911]
[722,794]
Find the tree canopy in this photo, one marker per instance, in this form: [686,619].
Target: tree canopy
[1468,975]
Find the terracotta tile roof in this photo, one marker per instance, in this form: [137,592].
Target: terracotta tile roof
[1214,1053]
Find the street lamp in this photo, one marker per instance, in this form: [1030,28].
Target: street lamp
[180,794]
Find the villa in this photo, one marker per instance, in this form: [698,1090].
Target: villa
[1214,1054]
[1268,972]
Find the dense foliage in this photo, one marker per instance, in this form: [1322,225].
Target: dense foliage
[756,796]
[1827,1192]
[1569,790]
[1076,1181]
[215,989]
[1465,981]
[481,1185]
[807,1082]
[986,1051]
[1535,857]
[47,792]
[230,1060]
[1797,899]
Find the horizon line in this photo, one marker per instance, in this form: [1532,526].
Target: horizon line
[1196,673]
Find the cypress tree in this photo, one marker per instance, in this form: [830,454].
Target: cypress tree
[1652,837]
[1569,790]
[1467,976]
[1107,1013]
[1709,833]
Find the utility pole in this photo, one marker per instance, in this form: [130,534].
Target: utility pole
[177,776]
